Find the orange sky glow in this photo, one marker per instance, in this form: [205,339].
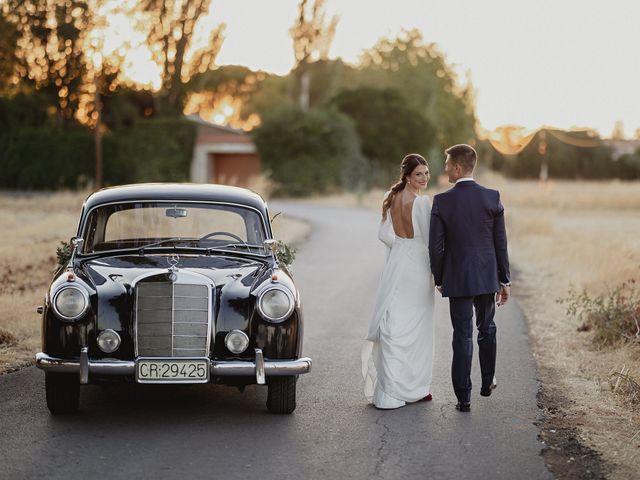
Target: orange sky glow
[568,64]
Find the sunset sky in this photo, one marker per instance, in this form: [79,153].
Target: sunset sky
[563,63]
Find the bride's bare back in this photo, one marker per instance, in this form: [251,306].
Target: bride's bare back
[401,214]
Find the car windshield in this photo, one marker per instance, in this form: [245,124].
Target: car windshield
[169,224]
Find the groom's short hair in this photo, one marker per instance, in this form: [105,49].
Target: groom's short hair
[463,155]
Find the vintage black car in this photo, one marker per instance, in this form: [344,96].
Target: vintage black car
[174,284]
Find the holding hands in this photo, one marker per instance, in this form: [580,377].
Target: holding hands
[502,296]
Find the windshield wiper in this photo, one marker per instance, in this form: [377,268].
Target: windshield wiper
[232,245]
[161,242]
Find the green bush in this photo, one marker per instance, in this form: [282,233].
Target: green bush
[614,316]
[25,110]
[388,127]
[309,152]
[37,159]
[48,159]
[154,150]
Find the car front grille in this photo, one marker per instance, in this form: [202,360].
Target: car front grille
[172,319]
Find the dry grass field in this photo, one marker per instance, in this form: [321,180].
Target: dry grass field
[584,235]
[33,227]
[563,235]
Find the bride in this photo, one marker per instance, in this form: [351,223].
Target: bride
[397,358]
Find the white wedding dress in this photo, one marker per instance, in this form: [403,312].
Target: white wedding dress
[397,358]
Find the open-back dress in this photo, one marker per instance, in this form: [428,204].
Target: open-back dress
[397,358]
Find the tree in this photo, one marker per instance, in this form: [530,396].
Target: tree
[50,49]
[618,131]
[312,37]
[222,95]
[309,152]
[172,25]
[8,60]
[388,127]
[420,71]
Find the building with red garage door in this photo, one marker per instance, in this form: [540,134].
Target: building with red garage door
[223,155]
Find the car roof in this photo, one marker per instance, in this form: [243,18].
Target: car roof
[176,191]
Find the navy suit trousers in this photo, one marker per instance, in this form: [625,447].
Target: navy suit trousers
[461,309]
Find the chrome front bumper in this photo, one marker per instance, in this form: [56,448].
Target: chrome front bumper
[260,368]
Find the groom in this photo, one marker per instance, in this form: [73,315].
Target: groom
[468,253]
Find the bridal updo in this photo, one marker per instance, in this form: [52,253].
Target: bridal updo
[409,163]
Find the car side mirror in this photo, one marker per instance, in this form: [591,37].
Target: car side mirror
[270,244]
[77,242]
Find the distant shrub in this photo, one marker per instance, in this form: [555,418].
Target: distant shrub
[566,158]
[45,159]
[7,338]
[389,127]
[623,384]
[614,316]
[309,152]
[153,150]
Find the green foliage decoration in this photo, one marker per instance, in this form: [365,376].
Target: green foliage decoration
[63,254]
[285,254]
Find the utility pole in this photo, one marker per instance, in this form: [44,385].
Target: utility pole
[97,129]
[542,150]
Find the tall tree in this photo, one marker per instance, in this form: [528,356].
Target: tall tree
[8,60]
[421,72]
[50,48]
[172,25]
[312,36]
[388,127]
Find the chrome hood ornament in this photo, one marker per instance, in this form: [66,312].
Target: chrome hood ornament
[173,261]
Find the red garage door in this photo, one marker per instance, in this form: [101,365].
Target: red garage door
[234,168]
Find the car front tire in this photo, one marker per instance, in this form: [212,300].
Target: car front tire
[281,396]
[63,392]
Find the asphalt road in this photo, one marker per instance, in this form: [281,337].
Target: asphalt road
[216,432]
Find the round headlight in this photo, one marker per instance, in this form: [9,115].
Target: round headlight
[109,341]
[275,304]
[70,302]
[236,341]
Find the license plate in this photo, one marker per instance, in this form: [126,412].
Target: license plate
[172,370]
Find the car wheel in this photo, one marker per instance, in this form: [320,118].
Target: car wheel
[281,397]
[63,392]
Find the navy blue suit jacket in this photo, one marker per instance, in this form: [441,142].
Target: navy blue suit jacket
[468,241]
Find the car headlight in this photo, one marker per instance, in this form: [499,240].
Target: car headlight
[70,302]
[275,304]
[236,341]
